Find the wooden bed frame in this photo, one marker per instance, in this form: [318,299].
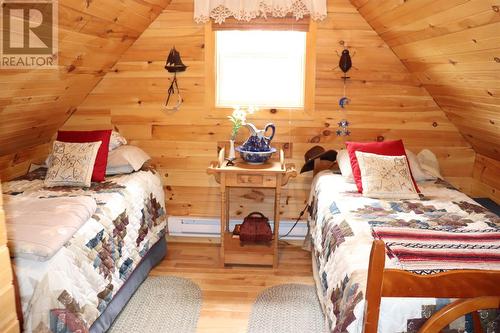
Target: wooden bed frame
[457,284]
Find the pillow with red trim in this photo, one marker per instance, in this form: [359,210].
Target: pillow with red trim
[99,172]
[387,148]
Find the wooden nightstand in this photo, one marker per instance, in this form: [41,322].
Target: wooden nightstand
[274,174]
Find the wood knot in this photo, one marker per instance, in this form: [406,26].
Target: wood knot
[341,42]
[489,92]
[495,8]
[497,59]
[286,146]
[434,124]
[380,138]
[273,111]
[327,132]
[492,122]
[71,68]
[315,139]
[327,124]
[169,188]
[255,195]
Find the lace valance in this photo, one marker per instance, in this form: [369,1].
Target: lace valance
[219,10]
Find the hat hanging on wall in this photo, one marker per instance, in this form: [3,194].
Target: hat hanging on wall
[174,65]
[317,152]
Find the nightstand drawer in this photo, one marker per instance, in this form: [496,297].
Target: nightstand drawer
[250,180]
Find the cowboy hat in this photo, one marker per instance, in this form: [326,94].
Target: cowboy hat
[317,152]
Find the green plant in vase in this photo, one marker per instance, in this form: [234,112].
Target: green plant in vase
[238,119]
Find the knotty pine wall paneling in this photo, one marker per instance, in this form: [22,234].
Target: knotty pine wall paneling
[486,178]
[387,103]
[35,103]
[453,48]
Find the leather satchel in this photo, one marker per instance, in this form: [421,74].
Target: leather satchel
[256,228]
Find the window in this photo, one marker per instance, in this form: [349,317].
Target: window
[261,68]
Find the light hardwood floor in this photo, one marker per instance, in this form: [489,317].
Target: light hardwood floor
[228,293]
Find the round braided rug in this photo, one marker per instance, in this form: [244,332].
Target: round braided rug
[287,308]
[161,304]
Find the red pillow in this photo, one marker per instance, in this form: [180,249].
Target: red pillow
[101,159]
[388,148]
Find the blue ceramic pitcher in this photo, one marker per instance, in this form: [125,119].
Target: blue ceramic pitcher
[257,149]
[258,141]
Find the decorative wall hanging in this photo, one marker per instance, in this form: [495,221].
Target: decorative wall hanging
[174,65]
[345,64]
[343,128]
[219,10]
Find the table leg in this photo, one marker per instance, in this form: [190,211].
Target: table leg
[277,198]
[223,222]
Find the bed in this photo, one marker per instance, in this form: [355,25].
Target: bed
[83,284]
[361,254]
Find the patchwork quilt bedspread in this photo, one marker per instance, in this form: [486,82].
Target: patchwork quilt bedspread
[343,225]
[69,291]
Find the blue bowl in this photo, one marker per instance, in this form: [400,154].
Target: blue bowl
[255,157]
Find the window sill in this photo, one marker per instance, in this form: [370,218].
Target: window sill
[276,114]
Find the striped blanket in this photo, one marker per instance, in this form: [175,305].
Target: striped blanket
[438,249]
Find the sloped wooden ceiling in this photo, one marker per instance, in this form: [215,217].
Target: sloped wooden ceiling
[92,37]
[453,48]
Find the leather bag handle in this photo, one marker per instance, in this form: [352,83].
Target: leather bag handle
[256,213]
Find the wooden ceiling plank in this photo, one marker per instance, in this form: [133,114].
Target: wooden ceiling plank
[451,47]
[92,37]
[468,15]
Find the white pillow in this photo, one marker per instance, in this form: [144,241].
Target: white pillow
[119,170]
[127,155]
[429,163]
[116,140]
[418,173]
[344,163]
[386,177]
[71,164]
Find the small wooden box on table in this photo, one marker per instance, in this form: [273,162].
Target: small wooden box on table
[273,174]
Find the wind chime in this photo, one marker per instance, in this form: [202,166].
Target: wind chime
[345,64]
[174,65]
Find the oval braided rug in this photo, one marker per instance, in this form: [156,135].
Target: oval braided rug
[161,304]
[287,308]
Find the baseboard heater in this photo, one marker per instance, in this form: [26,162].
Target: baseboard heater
[210,227]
